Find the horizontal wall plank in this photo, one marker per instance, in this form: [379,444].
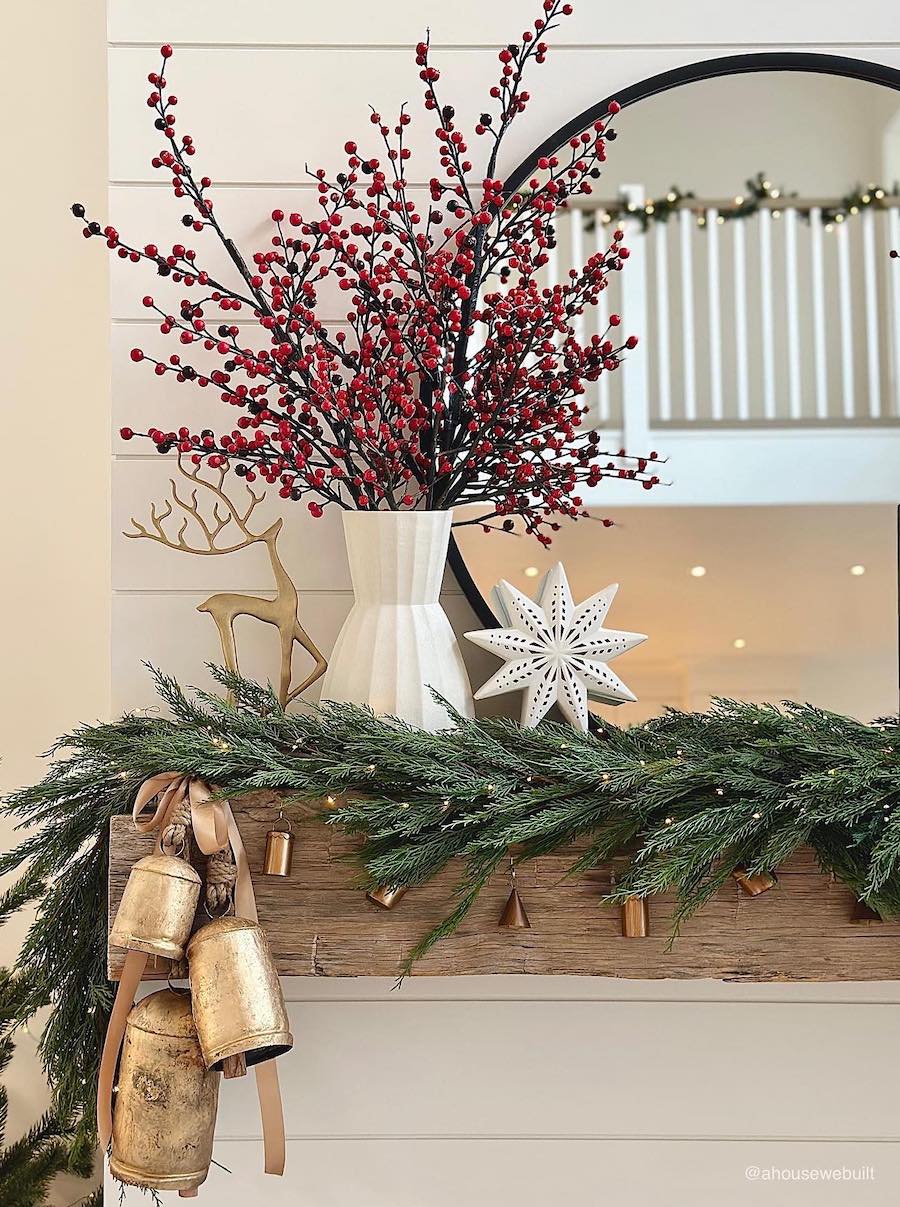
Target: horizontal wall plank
[877,994]
[319,923]
[312,549]
[218,93]
[146,212]
[166,630]
[279,22]
[530,1173]
[141,399]
[229,98]
[363,1069]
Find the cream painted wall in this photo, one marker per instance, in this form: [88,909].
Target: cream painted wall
[54,486]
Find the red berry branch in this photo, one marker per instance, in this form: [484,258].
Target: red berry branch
[455,377]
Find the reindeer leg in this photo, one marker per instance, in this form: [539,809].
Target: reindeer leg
[300,635]
[287,650]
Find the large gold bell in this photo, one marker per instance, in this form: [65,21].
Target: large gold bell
[165,1113]
[158,906]
[238,1003]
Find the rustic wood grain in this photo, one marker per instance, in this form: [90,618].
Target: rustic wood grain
[320,923]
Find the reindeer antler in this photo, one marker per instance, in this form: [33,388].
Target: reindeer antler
[210,529]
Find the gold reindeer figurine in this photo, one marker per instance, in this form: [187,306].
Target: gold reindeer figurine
[226,606]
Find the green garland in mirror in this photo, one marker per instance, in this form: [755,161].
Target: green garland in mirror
[759,193]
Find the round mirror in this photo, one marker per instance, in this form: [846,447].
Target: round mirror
[760,211]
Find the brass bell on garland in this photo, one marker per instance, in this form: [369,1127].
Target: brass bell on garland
[279,850]
[864,915]
[514,916]
[157,908]
[755,884]
[154,919]
[238,1004]
[635,918]
[165,1113]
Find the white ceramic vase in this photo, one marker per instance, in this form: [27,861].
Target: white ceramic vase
[397,643]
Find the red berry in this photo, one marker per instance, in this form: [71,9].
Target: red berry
[126,433]
[315,509]
[278,215]
[166,51]
[136,354]
[148,301]
[613,107]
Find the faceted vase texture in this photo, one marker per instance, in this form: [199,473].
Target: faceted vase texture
[397,642]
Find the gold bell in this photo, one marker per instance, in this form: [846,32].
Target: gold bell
[387,895]
[755,884]
[635,918]
[165,1113]
[279,851]
[514,916]
[864,915]
[158,906]
[238,1003]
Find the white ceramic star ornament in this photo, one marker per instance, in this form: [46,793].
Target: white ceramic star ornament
[556,651]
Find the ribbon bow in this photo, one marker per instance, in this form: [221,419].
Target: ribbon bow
[212,821]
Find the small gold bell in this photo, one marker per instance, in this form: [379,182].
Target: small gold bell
[387,895]
[238,1003]
[864,915]
[755,884]
[165,1113]
[279,850]
[635,918]
[158,906]
[514,916]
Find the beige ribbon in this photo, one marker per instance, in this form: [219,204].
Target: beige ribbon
[209,818]
[214,829]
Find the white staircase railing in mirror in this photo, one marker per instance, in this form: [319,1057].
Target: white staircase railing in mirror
[774,319]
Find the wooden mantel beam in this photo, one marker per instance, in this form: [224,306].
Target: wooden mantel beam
[320,923]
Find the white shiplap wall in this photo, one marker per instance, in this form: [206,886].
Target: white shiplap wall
[478,1090]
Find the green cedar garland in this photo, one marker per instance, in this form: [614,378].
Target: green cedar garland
[685,797]
[758,192]
[51,1146]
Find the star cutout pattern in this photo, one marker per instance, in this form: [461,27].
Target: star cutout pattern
[555,650]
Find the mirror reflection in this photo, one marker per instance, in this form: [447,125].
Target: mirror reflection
[760,210]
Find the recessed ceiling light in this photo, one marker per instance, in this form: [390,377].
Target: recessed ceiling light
[856,571]
[739,643]
[697,571]
[531,572]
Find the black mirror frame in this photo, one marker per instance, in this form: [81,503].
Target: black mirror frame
[689,73]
